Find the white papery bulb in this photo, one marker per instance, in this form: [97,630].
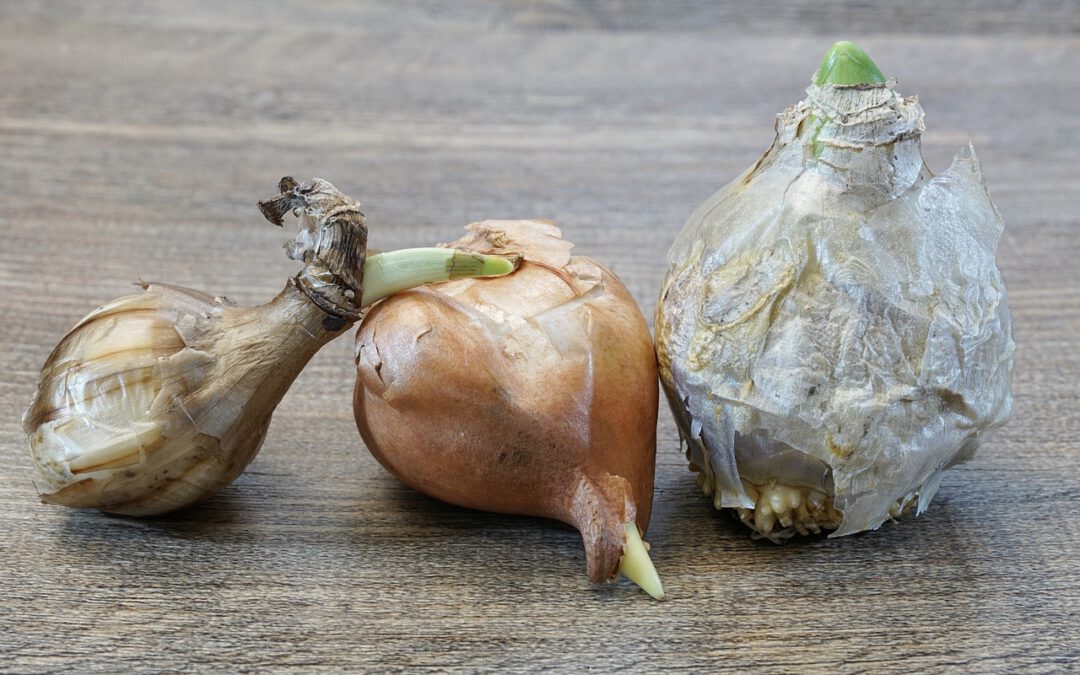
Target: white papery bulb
[833,331]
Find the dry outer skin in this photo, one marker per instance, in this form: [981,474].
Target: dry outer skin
[158,400]
[529,394]
[833,331]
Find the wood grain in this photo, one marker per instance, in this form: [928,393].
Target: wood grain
[127,133]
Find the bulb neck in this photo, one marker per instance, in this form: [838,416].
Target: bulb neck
[863,138]
[296,309]
[855,130]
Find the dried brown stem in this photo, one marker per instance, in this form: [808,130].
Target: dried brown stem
[332,242]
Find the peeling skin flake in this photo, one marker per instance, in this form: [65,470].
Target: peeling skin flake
[833,331]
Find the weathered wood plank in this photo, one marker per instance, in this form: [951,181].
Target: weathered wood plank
[678,16]
[134,141]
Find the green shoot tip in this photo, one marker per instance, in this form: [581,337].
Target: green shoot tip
[497,265]
[846,63]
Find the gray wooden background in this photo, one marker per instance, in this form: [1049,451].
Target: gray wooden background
[135,139]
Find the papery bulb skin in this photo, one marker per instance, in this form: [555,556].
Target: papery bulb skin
[156,401]
[532,394]
[833,332]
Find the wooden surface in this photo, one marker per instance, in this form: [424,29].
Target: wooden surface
[135,140]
